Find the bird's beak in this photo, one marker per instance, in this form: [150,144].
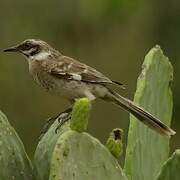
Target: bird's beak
[11,49]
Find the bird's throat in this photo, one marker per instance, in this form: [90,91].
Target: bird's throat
[42,55]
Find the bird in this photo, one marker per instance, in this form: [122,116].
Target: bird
[69,78]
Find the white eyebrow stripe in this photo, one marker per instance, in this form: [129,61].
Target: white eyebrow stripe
[42,55]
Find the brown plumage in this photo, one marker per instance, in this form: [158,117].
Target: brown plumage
[71,79]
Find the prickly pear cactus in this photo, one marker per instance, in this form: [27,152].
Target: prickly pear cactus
[171,168]
[147,150]
[14,162]
[74,154]
[44,150]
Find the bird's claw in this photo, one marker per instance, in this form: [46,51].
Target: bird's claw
[62,119]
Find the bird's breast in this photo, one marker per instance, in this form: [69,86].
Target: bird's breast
[41,77]
[52,84]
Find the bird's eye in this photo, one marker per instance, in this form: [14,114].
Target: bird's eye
[27,46]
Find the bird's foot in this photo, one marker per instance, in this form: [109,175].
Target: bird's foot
[47,125]
[50,121]
[62,119]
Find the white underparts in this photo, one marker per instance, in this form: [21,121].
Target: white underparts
[90,96]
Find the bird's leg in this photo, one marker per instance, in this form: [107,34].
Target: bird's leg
[62,117]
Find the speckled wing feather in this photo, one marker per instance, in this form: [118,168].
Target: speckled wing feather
[71,69]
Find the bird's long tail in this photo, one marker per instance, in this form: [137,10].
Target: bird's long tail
[139,113]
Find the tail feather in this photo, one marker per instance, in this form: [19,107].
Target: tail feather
[140,114]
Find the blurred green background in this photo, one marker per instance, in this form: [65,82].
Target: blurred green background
[111,35]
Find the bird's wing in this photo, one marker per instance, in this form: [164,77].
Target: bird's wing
[71,69]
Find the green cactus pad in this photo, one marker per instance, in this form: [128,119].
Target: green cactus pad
[79,156]
[14,162]
[70,155]
[147,150]
[44,150]
[171,168]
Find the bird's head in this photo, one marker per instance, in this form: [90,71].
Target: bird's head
[32,49]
